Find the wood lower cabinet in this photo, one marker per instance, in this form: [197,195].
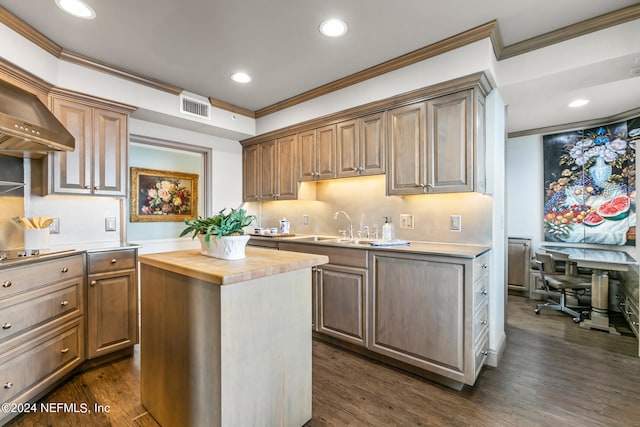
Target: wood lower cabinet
[112,301]
[42,337]
[98,165]
[423,312]
[519,264]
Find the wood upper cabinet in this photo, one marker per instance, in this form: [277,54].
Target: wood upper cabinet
[98,165]
[317,153]
[437,146]
[269,170]
[112,302]
[360,146]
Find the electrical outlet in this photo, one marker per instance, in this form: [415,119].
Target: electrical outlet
[305,219]
[110,223]
[54,228]
[406,222]
[455,223]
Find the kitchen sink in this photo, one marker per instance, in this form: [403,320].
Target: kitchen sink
[316,239]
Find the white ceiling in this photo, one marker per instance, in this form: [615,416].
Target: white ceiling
[198,44]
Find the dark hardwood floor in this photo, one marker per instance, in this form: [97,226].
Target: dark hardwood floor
[552,374]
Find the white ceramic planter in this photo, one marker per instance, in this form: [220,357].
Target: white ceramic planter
[226,247]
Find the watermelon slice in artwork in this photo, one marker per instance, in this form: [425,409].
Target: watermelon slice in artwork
[616,208]
[592,219]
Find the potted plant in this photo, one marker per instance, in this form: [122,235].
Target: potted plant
[228,228]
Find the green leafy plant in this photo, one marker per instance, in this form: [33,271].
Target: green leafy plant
[221,224]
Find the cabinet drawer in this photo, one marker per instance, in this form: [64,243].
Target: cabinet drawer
[481,351]
[481,292]
[42,358]
[29,309]
[480,322]
[100,262]
[631,314]
[339,256]
[37,274]
[480,266]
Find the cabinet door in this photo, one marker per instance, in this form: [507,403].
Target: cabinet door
[326,152]
[250,173]
[70,171]
[112,312]
[348,149]
[518,264]
[307,156]
[109,153]
[418,312]
[407,150]
[286,173]
[372,144]
[268,178]
[450,143]
[341,303]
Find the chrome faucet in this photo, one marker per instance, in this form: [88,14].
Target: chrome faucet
[335,216]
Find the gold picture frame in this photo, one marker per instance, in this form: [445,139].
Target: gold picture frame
[163,196]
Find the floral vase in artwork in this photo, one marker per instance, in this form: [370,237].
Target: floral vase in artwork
[600,172]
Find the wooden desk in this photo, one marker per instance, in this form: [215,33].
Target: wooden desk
[601,261]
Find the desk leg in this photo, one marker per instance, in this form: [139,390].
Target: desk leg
[599,304]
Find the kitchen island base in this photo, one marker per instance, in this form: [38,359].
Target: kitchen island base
[230,355]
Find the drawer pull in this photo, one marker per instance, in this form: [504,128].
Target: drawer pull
[64,303]
[94,282]
[483,322]
[64,270]
[485,353]
[485,266]
[6,325]
[113,261]
[64,350]
[8,385]
[634,323]
[484,292]
[6,284]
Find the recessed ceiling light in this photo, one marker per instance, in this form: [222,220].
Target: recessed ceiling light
[77,8]
[333,27]
[240,77]
[579,103]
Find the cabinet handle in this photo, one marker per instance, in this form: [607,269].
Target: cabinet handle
[64,303]
[93,283]
[420,185]
[6,325]
[86,187]
[485,353]
[64,270]
[64,350]
[113,261]
[6,284]
[628,312]
[634,323]
[484,292]
[485,266]
[483,322]
[95,187]
[8,385]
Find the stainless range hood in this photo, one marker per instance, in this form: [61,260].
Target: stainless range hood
[27,127]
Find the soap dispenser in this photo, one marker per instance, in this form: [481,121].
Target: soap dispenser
[387,229]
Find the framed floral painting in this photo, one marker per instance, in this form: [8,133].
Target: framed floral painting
[163,196]
[589,184]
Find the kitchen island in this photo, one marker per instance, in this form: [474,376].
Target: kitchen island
[226,343]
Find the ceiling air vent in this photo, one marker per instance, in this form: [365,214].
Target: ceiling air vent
[195,107]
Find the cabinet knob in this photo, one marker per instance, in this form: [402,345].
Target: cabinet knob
[484,292]
[485,353]
[8,385]
[6,284]
[6,325]
[485,266]
[86,187]
[64,270]
[64,350]
[95,187]
[483,322]
[94,282]
[113,261]
[64,303]
[628,312]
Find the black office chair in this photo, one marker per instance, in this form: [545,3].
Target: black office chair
[551,281]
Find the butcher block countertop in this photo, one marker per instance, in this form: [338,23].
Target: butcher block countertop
[258,263]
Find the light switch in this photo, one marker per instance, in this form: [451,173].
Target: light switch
[54,228]
[110,223]
[455,223]
[406,222]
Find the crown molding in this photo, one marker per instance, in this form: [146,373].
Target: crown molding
[232,108]
[28,32]
[578,29]
[567,127]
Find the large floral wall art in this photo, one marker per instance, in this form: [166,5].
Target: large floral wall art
[590,188]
